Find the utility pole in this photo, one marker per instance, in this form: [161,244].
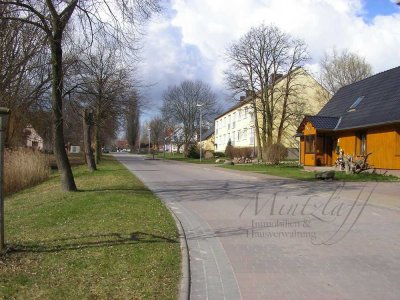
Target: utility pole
[149,129]
[4,113]
[199,106]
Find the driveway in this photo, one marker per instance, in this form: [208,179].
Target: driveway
[261,237]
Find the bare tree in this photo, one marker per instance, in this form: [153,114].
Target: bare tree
[180,104]
[104,85]
[265,62]
[24,75]
[132,115]
[341,69]
[87,141]
[157,128]
[116,19]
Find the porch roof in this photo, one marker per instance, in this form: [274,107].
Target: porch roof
[322,122]
[319,122]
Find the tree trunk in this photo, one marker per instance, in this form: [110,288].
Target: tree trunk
[97,144]
[257,136]
[64,167]
[87,141]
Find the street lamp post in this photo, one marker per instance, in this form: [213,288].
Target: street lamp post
[149,129]
[4,112]
[165,146]
[199,106]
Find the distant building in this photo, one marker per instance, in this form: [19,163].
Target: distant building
[173,139]
[237,124]
[208,141]
[32,138]
[122,144]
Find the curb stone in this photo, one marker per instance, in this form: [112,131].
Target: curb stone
[184,287]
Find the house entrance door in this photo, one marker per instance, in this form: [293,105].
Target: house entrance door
[324,146]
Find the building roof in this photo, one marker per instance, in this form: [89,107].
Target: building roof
[237,105]
[369,102]
[248,99]
[206,135]
[322,122]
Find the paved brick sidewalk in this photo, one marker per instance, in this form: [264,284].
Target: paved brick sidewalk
[253,237]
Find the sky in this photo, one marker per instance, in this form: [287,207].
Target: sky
[189,40]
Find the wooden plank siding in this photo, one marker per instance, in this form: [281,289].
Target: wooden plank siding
[309,158]
[383,142]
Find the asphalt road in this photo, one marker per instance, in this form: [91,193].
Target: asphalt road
[258,237]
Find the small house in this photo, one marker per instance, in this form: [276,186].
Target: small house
[361,118]
[32,138]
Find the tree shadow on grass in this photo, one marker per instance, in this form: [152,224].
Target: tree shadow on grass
[88,241]
[116,189]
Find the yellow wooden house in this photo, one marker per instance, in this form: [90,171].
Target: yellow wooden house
[361,118]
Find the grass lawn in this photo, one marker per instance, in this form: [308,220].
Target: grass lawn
[299,173]
[111,240]
[180,157]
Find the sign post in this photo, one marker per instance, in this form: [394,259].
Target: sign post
[4,112]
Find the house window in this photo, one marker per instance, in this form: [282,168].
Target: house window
[356,103]
[245,113]
[244,134]
[233,120]
[238,135]
[361,144]
[252,136]
[310,143]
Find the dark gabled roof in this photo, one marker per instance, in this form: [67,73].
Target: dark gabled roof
[319,122]
[206,135]
[380,103]
[322,122]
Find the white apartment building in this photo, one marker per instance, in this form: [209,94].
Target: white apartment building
[236,125]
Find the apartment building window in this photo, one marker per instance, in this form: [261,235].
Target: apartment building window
[252,136]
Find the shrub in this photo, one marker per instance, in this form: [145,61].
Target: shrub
[208,154]
[229,150]
[219,154]
[246,152]
[194,151]
[24,168]
[276,153]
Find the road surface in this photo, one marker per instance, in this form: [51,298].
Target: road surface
[252,236]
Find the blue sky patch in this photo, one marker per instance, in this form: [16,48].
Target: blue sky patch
[375,8]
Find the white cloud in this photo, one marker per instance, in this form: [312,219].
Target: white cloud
[191,41]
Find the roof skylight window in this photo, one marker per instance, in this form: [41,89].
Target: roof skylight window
[356,103]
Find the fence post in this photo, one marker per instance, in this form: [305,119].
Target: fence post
[4,112]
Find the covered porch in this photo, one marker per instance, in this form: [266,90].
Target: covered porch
[317,141]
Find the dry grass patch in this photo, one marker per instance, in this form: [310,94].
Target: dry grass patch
[24,168]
